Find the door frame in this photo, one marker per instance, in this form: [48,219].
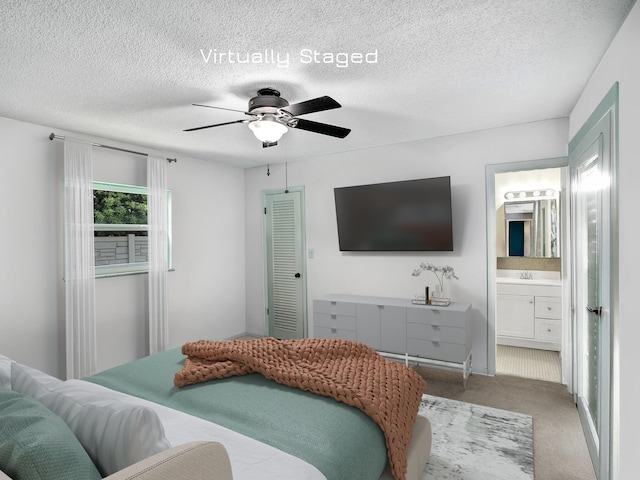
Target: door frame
[608,107]
[303,240]
[490,188]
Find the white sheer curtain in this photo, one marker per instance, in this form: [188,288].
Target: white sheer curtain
[158,254]
[79,260]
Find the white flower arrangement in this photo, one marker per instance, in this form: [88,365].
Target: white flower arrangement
[440,272]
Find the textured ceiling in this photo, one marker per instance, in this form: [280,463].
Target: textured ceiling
[129,70]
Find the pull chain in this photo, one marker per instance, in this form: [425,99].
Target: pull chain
[286,177]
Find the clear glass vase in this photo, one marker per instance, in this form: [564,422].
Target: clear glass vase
[438,292]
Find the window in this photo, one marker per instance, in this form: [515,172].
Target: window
[121,230]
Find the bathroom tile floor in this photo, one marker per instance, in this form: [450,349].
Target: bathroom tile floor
[528,363]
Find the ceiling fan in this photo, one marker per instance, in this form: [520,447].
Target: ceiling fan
[272,116]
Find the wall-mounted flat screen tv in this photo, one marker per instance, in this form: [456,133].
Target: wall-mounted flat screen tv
[411,215]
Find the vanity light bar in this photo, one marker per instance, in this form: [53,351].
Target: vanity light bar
[524,194]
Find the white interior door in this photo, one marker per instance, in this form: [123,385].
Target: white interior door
[286,278]
[591,210]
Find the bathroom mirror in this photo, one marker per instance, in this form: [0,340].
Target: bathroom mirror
[532,228]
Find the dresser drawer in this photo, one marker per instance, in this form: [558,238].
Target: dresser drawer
[334,308]
[549,307]
[446,352]
[548,330]
[334,321]
[325,332]
[436,332]
[436,316]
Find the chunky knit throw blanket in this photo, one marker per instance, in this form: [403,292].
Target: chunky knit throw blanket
[351,372]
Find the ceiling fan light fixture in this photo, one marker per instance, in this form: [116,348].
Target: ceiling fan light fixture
[268,130]
[273,116]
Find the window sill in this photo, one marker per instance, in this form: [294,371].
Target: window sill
[124,274]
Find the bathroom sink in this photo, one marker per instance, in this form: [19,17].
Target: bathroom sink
[529,281]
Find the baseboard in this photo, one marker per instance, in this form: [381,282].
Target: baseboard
[516,342]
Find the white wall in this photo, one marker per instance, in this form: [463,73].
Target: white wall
[620,64]
[31,294]
[463,157]
[206,290]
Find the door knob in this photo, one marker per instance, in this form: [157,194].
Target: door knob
[297,275]
[597,310]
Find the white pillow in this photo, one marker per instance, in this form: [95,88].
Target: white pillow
[5,372]
[30,380]
[114,432]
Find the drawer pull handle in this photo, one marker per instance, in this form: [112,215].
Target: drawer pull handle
[549,330]
[334,303]
[333,317]
[334,330]
[548,308]
[381,307]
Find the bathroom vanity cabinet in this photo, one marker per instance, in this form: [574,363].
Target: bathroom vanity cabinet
[529,315]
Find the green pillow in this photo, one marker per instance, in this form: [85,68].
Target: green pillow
[36,444]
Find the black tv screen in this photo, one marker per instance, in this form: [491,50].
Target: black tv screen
[411,215]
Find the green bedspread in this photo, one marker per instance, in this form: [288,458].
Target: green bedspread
[340,441]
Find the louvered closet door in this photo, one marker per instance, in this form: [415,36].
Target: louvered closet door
[284,247]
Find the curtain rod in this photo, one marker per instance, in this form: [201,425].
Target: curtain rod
[59,137]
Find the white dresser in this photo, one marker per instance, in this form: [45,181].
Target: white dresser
[397,328]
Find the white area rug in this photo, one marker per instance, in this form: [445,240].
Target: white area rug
[472,442]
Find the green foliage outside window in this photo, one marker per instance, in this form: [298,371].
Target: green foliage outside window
[119,208]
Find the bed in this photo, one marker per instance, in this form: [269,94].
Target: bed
[271,431]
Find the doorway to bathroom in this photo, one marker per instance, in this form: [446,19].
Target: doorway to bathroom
[529,274]
[527,301]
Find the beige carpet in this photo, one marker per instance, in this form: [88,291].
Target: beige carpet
[559,446]
[528,363]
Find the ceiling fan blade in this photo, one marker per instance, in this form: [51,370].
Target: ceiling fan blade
[322,128]
[214,125]
[310,106]
[220,108]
